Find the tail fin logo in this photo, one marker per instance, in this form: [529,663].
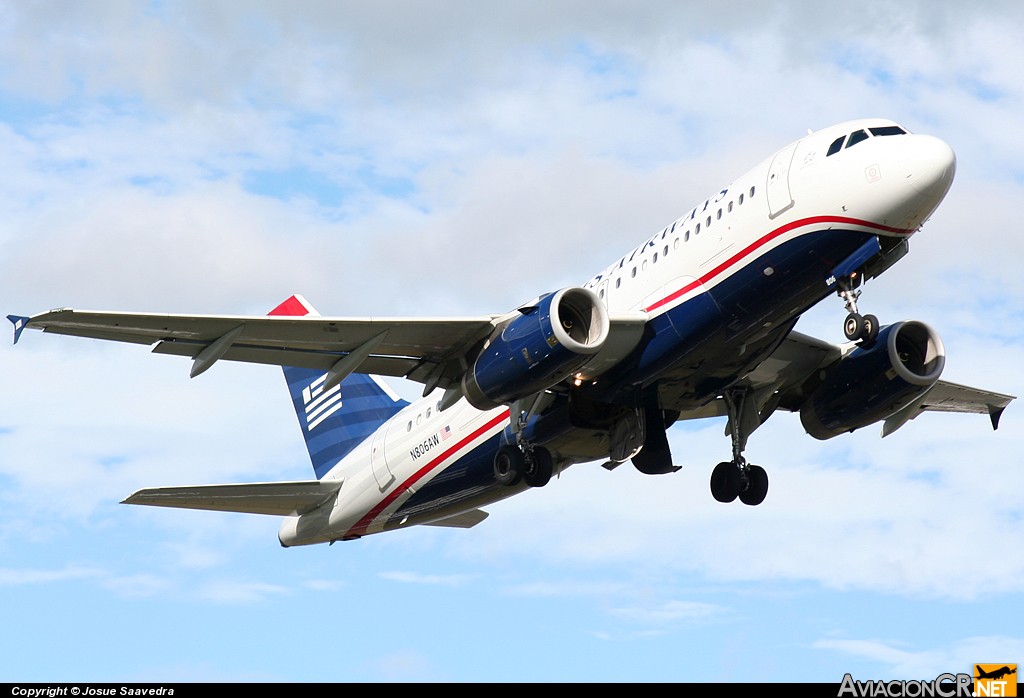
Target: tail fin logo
[320,405]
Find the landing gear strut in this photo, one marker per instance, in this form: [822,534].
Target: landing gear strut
[856,326]
[738,478]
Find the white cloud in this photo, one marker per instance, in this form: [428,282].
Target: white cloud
[900,662]
[669,612]
[239,592]
[407,665]
[450,580]
[13,577]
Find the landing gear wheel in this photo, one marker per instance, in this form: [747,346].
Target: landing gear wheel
[509,464]
[757,486]
[860,327]
[725,482]
[869,327]
[539,467]
[853,326]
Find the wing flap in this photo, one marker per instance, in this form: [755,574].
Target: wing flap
[301,358]
[273,498]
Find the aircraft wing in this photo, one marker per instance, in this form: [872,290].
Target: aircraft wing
[778,383]
[951,397]
[433,350]
[416,348]
[275,498]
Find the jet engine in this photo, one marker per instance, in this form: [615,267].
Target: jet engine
[543,346]
[874,382]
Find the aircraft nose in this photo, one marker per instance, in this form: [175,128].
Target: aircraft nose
[928,164]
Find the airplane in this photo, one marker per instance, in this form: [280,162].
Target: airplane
[695,322]
[996,674]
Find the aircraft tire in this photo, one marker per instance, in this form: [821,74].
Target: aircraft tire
[725,482]
[869,328]
[853,327]
[757,486]
[539,468]
[509,464]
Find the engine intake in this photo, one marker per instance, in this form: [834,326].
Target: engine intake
[540,348]
[873,383]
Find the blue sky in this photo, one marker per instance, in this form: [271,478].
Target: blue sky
[450,158]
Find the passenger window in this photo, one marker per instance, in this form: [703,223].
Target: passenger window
[634,273]
[655,261]
[730,207]
[428,413]
[719,216]
[836,146]
[696,229]
[752,192]
[618,281]
[741,199]
[856,137]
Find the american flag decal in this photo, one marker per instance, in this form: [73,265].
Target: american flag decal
[319,404]
[445,433]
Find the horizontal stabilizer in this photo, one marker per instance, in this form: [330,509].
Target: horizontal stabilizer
[467,519]
[274,498]
[19,322]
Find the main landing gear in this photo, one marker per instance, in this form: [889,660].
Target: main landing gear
[513,464]
[856,326]
[738,478]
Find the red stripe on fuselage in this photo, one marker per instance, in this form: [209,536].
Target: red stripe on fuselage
[814,220]
[361,526]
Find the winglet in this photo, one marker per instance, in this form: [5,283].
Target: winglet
[994,414]
[19,323]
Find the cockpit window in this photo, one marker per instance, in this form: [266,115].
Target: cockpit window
[856,137]
[836,146]
[887,131]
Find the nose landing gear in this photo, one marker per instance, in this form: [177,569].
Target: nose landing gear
[856,326]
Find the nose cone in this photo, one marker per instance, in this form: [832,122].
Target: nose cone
[928,164]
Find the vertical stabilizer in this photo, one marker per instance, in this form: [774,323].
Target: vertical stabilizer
[336,420]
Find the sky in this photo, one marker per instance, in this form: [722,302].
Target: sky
[457,158]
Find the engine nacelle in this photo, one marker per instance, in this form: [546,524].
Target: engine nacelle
[541,347]
[873,383]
